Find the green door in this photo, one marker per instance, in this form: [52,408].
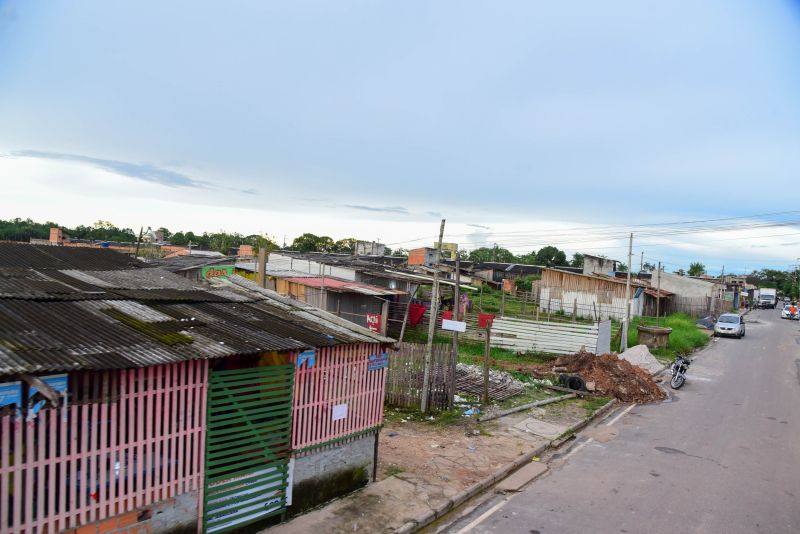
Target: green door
[248,445]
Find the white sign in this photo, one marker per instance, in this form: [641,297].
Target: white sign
[455,326]
[339,412]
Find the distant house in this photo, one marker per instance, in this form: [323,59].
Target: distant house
[195,266]
[600,297]
[425,256]
[599,265]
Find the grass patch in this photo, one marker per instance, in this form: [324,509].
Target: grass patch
[592,404]
[685,338]
[393,470]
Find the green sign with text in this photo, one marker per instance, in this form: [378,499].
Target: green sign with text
[215,271]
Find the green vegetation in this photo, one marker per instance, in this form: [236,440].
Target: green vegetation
[153,330]
[697,269]
[393,470]
[685,336]
[592,404]
[548,256]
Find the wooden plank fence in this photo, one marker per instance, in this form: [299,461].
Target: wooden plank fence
[406,371]
[522,335]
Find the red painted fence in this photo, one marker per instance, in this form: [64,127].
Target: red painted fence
[340,376]
[140,439]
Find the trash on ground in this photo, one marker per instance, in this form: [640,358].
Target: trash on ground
[472,411]
[502,386]
[392,434]
[706,322]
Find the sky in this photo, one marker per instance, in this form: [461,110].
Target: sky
[521,123]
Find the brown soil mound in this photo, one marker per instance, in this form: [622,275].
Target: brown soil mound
[612,376]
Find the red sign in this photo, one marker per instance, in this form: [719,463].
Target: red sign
[374,322]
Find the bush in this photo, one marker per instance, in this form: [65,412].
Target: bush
[685,336]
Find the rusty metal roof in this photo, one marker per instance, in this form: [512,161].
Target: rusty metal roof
[55,257]
[61,336]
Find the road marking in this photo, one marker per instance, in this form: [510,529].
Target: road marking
[577,447]
[626,410]
[478,520]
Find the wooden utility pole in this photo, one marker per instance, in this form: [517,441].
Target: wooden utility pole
[658,295]
[487,351]
[456,317]
[641,263]
[261,270]
[426,378]
[623,343]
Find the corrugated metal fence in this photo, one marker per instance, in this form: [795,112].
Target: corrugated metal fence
[139,441]
[521,335]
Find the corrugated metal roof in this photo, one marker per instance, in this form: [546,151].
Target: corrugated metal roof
[301,314]
[345,286]
[62,336]
[132,279]
[54,257]
[188,261]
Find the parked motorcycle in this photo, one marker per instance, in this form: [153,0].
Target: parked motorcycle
[678,370]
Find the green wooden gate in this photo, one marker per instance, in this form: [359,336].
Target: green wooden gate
[248,445]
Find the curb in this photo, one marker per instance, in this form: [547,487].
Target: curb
[458,499]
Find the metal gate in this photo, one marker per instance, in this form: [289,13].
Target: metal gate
[248,445]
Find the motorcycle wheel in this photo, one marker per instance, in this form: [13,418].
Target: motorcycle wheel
[677,381]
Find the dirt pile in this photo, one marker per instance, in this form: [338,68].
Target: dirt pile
[612,376]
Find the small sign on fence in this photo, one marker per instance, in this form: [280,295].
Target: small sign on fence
[455,326]
[339,412]
[374,322]
[309,356]
[378,361]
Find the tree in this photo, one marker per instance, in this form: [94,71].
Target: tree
[697,269]
[621,267]
[577,260]
[527,259]
[551,256]
[648,267]
[400,252]
[312,243]
[345,246]
[498,254]
[680,272]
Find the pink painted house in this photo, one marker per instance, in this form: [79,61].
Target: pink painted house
[132,400]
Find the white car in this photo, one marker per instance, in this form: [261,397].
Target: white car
[786,312]
[730,324]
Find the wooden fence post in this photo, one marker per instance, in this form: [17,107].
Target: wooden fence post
[574,310]
[487,350]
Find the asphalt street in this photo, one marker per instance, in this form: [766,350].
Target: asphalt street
[721,456]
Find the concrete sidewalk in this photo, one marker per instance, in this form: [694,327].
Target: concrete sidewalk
[445,473]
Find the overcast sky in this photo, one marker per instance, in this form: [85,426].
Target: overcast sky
[376,119]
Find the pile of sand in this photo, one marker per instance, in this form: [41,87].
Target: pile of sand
[640,355]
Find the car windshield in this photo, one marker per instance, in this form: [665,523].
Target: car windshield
[729,319]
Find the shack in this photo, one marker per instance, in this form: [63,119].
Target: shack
[131,400]
[588,295]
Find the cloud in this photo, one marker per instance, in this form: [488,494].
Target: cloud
[479,226]
[139,171]
[389,209]
[433,213]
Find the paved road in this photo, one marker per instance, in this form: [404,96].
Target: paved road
[722,457]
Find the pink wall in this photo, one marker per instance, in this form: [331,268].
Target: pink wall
[142,441]
[339,376]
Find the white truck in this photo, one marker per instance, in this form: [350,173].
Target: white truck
[767,298]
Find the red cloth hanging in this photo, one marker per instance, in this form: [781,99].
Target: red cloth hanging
[447,315]
[485,319]
[415,313]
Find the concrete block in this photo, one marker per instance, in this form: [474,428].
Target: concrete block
[516,481]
